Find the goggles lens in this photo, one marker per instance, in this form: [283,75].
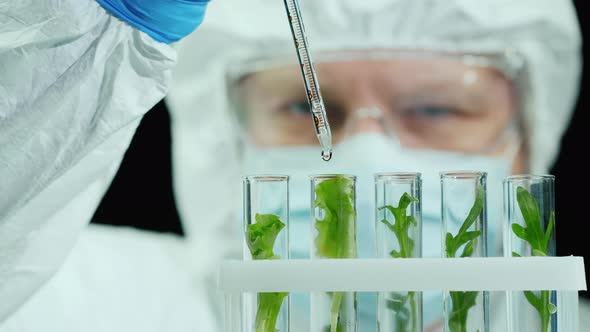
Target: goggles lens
[424,103]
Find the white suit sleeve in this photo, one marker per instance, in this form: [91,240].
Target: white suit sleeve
[74,84]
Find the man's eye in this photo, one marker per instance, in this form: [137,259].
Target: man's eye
[297,109]
[430,112]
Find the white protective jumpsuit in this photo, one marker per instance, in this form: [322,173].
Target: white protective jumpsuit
[75,82]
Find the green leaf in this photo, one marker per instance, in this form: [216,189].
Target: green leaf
[537,252]
[549,231]
[412,220]
[397,302]
[401,226]
[534,300]
[475,211]
[337,231]
[269,307]
[395,254]
[469,247]
[514,254]
[520,231]
[530,213]
[455,325]
[467,236]
[335,311]
[467,301]
[453,244]
[405,201]
[390,226]
[461,303]
[450,245]
[261,236]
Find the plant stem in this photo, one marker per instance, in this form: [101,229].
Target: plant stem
[404,246]
[462,302]
[336,303]
[545,314]
[411,295]
[458,316]
[269,307]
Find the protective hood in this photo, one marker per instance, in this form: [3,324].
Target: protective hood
[544,34]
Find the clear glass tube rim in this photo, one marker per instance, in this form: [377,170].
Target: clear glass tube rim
[398,176]
[521,178]
[332,176]
[266,178]
[463,174]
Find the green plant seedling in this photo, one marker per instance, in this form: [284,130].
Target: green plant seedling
[260,238]
[337,230]
[539,241]
[462,302]
[401,228]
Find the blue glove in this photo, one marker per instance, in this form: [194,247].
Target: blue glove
[166,21]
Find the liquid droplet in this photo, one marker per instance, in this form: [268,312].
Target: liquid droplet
[327,155]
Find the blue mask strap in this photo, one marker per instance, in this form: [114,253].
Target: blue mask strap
[166,21]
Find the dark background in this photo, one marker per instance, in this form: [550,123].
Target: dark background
[141,193]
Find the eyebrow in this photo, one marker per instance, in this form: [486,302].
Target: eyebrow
[443,94]
[428,78]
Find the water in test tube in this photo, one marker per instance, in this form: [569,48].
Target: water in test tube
[314,97]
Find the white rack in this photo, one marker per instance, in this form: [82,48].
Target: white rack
[563,274]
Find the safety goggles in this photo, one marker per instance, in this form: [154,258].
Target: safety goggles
[424,100]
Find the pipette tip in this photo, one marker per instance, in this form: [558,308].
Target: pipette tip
[327,155]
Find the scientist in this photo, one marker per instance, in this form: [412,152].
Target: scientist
[423,86]
[76,77]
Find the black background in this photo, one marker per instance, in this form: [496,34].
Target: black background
[141,193]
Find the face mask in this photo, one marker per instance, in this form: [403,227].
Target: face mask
[363,155]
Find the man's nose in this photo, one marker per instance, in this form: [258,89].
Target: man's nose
[366,120]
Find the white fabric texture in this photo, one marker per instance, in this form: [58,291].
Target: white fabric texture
[74,84]
[116,279]
[545,33]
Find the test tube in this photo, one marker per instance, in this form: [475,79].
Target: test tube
[333,204]
[266,216]
[398,226]
[463,233]
[529,210]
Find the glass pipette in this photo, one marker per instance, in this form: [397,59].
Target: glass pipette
[314,97]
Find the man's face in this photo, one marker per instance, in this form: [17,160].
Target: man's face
[424,103]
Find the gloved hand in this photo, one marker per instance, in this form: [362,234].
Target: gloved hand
[166,21]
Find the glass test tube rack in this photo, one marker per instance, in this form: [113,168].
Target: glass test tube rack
[562,274]
[336,272]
